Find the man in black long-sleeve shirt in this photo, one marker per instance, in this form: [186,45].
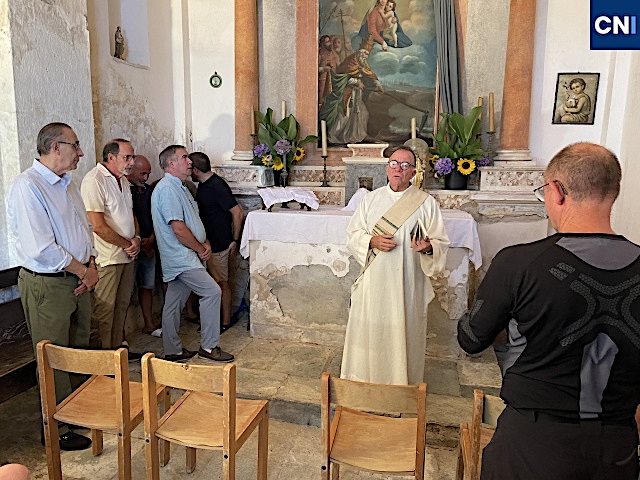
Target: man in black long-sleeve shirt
[570,304]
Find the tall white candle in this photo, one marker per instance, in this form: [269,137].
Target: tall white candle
[413,127]
[323,130]
[284,109]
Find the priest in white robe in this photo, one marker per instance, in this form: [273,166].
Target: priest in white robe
[386,334]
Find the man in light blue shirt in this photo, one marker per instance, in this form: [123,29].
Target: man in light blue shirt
[54,247]
[183,248]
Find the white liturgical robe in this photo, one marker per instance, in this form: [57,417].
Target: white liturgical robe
[386,334]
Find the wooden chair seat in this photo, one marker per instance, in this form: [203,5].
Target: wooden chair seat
[188,426]
[93,405]
[373,442]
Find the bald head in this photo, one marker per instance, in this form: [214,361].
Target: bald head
[589,172]
[140,171]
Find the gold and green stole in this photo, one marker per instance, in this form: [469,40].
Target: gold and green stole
[393,219]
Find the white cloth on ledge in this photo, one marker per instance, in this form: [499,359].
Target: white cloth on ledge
[355,200]
[329,224]
[272,195]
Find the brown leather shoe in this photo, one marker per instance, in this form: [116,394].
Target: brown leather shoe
[185,355]
[217,355]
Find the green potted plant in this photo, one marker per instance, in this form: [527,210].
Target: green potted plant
[457,150]
[279,145]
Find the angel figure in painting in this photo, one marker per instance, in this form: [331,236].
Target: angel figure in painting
[380,19]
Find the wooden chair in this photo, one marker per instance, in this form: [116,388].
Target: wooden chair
[476,435]
[361,437]
[111,404]
[201,417]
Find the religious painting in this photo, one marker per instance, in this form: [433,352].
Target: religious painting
[376,69]
[575,101]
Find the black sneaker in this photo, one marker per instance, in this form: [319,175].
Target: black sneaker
[217,355]
[71,441]
[185,355]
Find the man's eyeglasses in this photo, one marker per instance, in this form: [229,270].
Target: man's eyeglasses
[539,192]
[403,165]
[127,158]
[75,145]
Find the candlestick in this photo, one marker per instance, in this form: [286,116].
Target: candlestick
[284,109]
[480,104]
[491,113]
[324,171]
[413,127]
[323,133]
[253,121]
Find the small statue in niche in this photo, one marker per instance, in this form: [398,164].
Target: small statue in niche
[119,51]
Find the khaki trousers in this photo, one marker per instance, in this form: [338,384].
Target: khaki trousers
[111,299]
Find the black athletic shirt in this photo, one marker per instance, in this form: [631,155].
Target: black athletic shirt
[215,199]
[571,305]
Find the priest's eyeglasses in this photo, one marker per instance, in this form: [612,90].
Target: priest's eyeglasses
[539,192]
[403,165]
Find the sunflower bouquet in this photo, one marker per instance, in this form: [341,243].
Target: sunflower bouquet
[458,145]
[279,145]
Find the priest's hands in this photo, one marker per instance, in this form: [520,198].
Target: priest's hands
[421,245]
[384,243]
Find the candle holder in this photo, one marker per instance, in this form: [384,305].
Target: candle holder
[254,138]
[492,137]
[324,172]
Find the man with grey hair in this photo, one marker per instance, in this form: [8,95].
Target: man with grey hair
[184,247]
[54,246]
[107,197]
[570,304]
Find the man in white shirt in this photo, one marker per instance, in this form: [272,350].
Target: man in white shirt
[53,244]
[107,197]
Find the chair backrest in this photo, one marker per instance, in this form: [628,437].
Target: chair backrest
[90,362]
[374,398]
[486,410]
[199,378]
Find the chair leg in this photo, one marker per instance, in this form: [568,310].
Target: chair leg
[96,442]
[460,466]
[229,466]
[335,471]
[151,458]
[263,447]
[52,447]
[191,459]
[124,456]
[165,452]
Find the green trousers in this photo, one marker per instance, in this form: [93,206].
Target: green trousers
[54,313]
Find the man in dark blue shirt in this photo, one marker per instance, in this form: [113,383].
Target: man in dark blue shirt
[570,304]
[222,218]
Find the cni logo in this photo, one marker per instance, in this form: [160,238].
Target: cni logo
[614,25]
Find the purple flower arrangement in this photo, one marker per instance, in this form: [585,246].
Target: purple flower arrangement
[484,161]
[261,150]
[443,166]
[282,147]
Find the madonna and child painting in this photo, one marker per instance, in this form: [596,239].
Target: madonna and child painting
[376,69]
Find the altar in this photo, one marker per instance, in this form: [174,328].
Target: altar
[301,271]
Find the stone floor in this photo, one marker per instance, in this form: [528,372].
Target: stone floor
[288,374]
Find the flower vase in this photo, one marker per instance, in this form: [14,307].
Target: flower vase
[455,181]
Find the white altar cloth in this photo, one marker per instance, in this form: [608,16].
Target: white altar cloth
[329,224]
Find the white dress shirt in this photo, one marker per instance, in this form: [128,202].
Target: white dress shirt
[48,220]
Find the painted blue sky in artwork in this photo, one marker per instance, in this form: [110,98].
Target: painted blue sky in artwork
[414,65]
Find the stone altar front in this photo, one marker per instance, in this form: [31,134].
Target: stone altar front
[301,271]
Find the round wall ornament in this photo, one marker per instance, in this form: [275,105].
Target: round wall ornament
[216,80]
